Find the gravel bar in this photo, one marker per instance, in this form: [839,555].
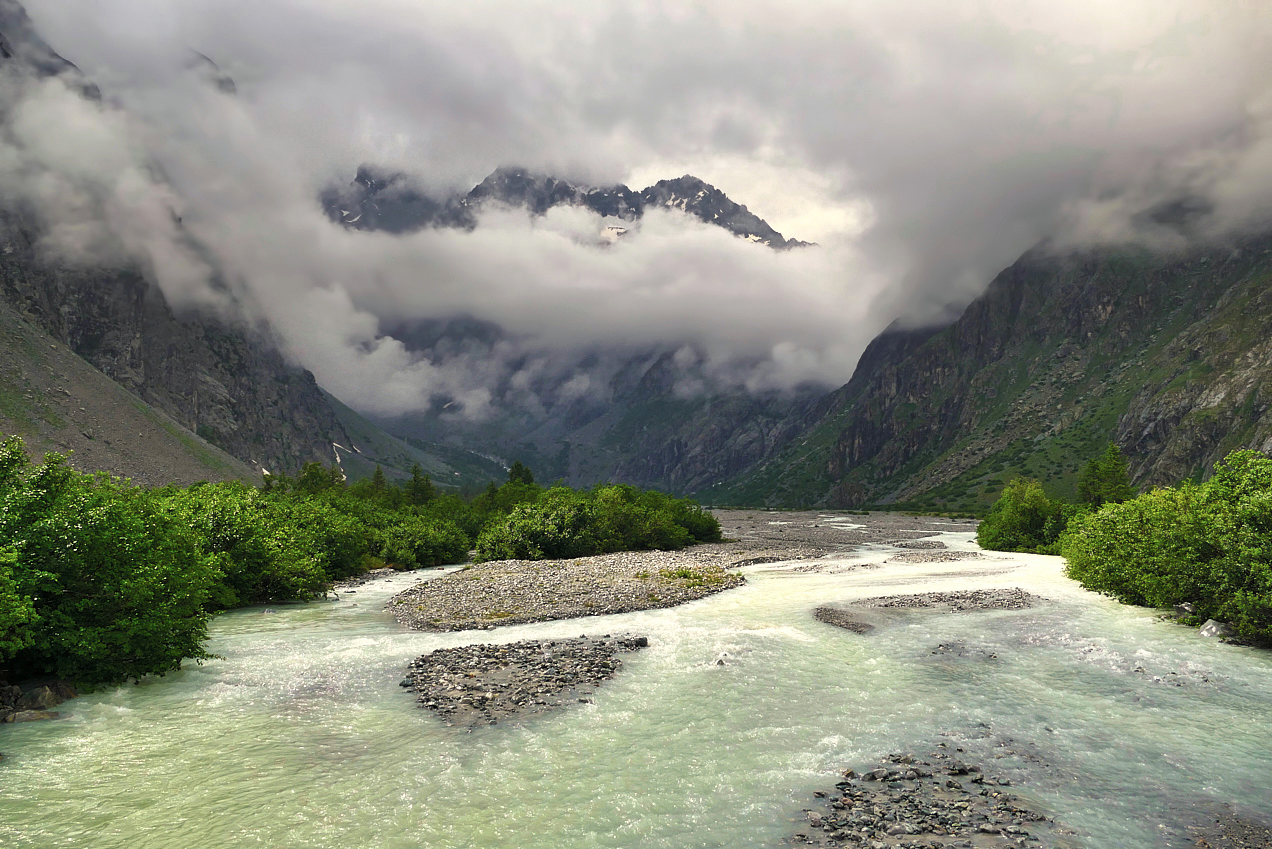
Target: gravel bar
[513,592]
[914,803]
[482,684]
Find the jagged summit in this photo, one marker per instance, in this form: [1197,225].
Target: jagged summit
[387,201]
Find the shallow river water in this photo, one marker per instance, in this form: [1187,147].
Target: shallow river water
[1119,725]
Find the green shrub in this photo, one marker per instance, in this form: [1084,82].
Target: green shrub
[1024,519]
[1206,544]
[416,542]
[108,585]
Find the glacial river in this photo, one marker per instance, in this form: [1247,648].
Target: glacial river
[1115,723]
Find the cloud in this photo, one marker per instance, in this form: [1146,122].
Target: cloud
[922,145]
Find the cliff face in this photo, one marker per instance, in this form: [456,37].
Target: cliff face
[1169,357]
[221,381]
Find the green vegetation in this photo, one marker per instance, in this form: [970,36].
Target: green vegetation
[1209,545]
[1105,480]
[564,523]
[1205,544]
[1025,519]
[101,580]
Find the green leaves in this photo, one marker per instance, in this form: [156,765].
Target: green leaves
[1209,545]
[1025,519]
[564,523]
[1105,480]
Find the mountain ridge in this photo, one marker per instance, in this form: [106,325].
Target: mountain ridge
[387,201]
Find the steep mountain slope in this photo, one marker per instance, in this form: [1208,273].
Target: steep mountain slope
[1169,356]
[388,201]
[57,402]
[215,377]
[212,374]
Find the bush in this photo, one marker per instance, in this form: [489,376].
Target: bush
[1024,519]
[107,584]
[417,542]
[564,523]
[1209,545]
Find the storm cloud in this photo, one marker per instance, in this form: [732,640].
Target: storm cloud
[923,146]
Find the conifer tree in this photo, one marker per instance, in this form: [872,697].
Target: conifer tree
[1106,480]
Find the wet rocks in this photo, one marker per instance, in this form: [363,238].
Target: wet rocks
[483,684]
[841,618]
[916,803]
[510,592]
[934,556]
[1009,598]
[1214,628]
[18,704]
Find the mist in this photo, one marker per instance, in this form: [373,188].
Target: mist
[922,146]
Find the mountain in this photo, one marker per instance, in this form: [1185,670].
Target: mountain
[180,397]
[58,402]
[390,202]
[1168,356]
[635,424]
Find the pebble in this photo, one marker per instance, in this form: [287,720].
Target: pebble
[483,684]
[512,592]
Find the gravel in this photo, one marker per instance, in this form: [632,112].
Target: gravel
[915,803]
[513,592]
[1012,598]
[483,684]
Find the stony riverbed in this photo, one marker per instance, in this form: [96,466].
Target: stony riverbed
[484,684]
[930,802]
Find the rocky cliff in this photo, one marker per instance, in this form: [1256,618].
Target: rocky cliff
[218,378]
[1169,356]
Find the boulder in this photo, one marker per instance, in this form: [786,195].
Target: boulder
[41,698]
[34,715]
[1213,628]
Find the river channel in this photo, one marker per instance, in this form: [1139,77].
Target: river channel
[1119,725]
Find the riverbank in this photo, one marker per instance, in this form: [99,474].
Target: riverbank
[515,592]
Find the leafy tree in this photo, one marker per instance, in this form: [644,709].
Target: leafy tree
[107,585]
[1024,519]
[1208,544]
[520,473]
[1105,480]
[17,611]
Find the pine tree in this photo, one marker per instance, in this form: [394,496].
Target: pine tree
[520,473]
[1106,480]
[419,489]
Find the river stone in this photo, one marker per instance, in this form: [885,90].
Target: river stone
[1213,628]
[483,684]
[34,715]
[41,698]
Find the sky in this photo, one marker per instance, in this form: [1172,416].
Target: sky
[922,145]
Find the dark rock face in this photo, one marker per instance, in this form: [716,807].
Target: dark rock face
[214,375]
[219,379]
[21,44]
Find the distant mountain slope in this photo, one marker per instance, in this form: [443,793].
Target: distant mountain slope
[387,201]
[1171,357]
[370,446]
[57,402]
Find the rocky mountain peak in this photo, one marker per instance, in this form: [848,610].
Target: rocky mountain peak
[388,201]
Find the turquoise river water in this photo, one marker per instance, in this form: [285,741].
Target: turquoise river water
[1116,723]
